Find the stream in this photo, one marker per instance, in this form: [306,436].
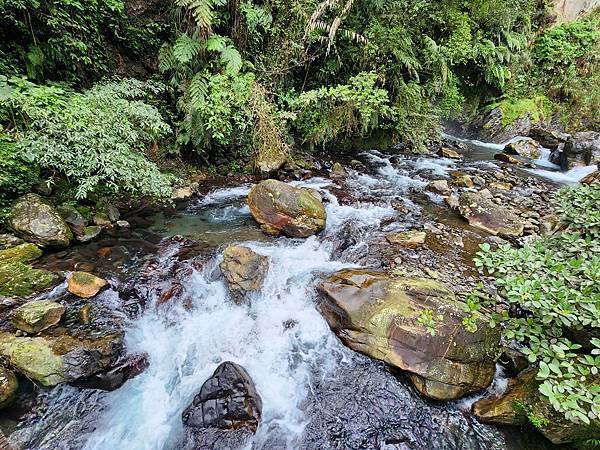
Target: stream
[316,393]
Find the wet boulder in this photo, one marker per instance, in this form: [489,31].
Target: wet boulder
[84,284]
[281,208]
[37,221]
[73,218]
[581,149]
[17,277]
[504,157]
[55,359]
[267,162]
[244,270]
[447,152]
[36,316]
[551,139]
[9,240]
[462,180]
[227,402]
[8,387]
[527,148]
[378,315]
[89,233]
[483,213]
[522,399]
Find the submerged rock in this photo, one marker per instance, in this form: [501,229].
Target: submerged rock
[244,270]
[8,387]
[84,284]
[36,221]
[506,158]
[36,316]
[379,316]
[228,400]
[483,213]
[522,400]
[280,208]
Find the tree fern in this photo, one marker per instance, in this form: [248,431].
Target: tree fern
[202,11]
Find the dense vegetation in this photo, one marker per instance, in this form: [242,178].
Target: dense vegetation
[551,294]
[248,77]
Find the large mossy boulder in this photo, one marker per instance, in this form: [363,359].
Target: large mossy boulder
[378,315]
[281,208]
[36,316]
[54,359]
[244,270]
[37,221]
[483,213]
[522,402]
[17,277]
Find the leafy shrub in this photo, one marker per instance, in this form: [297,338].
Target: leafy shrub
[552,291]
[68,40]
[17,174]
[325,115]
[96,138]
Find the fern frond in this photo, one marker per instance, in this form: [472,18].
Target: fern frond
[186,49]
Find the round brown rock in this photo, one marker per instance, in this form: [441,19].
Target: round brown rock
[84,284]
[281,208]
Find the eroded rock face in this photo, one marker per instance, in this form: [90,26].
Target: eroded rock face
[228,400]
[244,270]
[36,221]
[486,215]
[527,148]
[581,149]
[280,208]
[84,284]
[36,316]
[523,390]
[378,315]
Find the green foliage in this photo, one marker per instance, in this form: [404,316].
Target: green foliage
[325,115]
[538,108]
[428,320]
[70,40]
[552,289]
[17,174]
[539,422]
[96,138]
[564,66]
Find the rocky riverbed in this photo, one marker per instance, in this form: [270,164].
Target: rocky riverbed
[284,315]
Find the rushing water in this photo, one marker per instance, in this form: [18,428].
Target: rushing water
[309,382]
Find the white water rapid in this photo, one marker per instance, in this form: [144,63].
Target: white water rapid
[186,345]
